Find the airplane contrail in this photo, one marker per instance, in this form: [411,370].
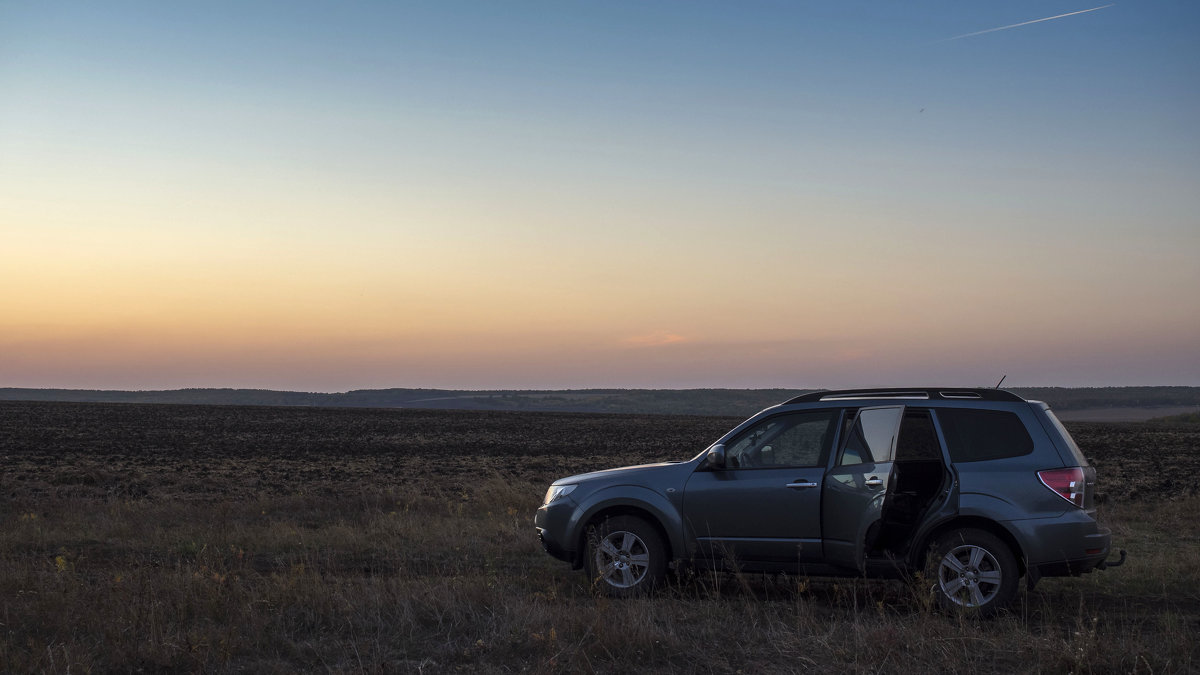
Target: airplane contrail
[1026,23]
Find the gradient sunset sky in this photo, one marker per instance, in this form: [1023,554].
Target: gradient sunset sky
[329,196]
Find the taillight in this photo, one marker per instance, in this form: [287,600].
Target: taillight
[1066,483]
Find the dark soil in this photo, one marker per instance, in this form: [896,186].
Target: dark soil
[148,451]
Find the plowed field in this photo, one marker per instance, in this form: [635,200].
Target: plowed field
[99,450]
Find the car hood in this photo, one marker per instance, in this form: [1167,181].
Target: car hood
[618,473]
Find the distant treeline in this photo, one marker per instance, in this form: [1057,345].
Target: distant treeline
[1185,418]
[737,402]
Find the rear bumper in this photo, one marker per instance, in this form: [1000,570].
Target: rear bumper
[1069,545]
[1070,568]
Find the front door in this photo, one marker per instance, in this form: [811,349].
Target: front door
[856,485]
[765,505]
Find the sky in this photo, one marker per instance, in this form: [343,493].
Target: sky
[333,196]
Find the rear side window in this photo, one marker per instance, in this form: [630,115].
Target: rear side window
[979,435]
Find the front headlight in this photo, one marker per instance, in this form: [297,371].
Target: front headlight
[557,491]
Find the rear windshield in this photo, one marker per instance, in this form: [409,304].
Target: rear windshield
[979,435]
[1066,436]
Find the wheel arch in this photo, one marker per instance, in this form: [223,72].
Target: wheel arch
[619,509]
[921,550]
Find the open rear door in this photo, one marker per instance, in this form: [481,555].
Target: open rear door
[856,485]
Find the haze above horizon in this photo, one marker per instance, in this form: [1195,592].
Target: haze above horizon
[469,195]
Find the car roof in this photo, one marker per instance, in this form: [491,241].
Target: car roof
[909,393]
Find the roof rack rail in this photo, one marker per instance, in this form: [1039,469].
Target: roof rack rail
[924,393]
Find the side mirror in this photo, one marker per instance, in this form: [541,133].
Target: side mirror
[716,457]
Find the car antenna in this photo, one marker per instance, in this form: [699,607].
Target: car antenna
[1001,381]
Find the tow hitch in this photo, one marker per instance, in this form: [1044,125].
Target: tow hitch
[1104,564]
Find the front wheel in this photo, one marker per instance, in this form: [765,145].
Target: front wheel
[973,570]
[625,556]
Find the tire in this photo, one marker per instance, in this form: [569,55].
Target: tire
[973,571]
[626,557]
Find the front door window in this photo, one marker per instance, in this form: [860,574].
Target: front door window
[798,439]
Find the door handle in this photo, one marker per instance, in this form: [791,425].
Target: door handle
[801,484]
[873,482]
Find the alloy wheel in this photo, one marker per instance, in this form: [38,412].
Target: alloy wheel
[969,575]
[622,559]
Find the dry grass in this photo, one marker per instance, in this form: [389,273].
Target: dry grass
[441,572]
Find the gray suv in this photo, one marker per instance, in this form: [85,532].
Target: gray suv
[973,487]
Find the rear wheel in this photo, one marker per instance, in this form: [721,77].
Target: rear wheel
[625,556]
[973,570]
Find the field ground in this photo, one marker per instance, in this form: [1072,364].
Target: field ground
[196,538]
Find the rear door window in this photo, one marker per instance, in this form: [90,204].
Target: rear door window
[979,435]
[873,437]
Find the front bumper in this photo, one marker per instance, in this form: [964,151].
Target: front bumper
[553,548]
[551,522]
